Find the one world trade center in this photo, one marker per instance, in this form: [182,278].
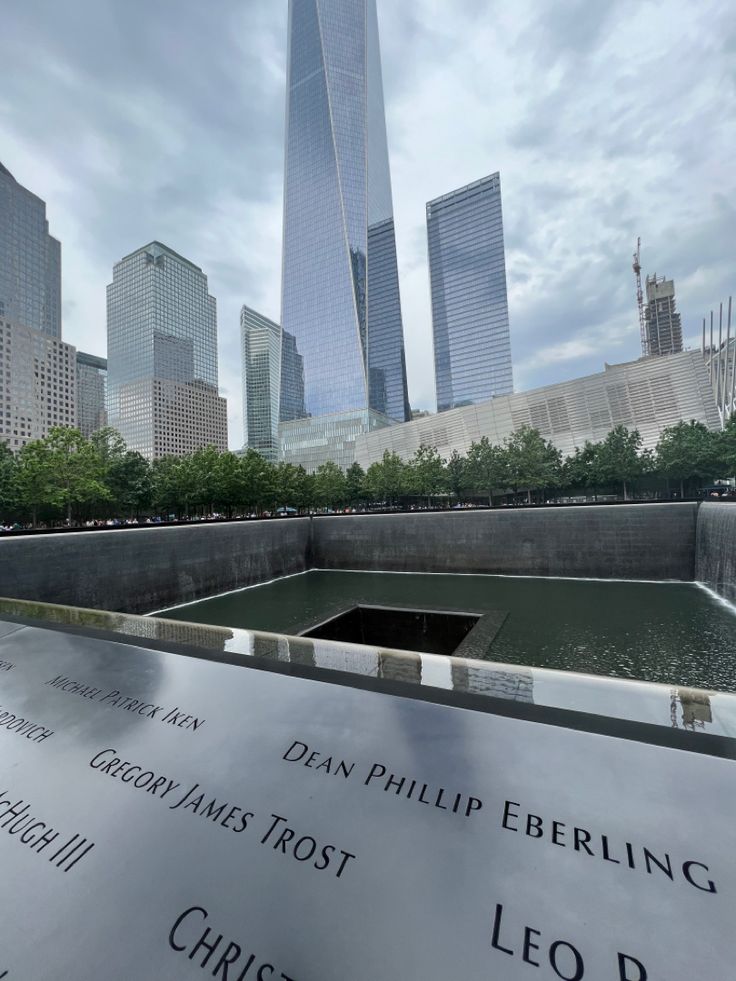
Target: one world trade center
[340,288]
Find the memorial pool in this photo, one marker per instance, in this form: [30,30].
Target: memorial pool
[673,633]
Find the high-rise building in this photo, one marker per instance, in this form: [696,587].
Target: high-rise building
[162,355]
[292,380]
[37,384]
[470,314]
[30,260]
[91,393]
[663,326]
[261,362]
[340,290]
[37,370]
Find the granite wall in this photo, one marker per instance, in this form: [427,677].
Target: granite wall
[654,541]
[144,569]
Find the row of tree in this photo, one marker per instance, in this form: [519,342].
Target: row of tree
[67,476]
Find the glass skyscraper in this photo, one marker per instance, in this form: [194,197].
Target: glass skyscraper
[30,260]
[162,355]
[292,380]
[470,314]
[340,291]
[91,393]
[261,360]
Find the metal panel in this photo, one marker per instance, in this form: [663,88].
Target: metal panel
[258,825]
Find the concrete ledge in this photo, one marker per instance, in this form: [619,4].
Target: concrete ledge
[624,542]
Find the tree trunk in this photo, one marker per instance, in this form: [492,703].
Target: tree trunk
[529,496]
[682,489]
[490,499]
[625,497]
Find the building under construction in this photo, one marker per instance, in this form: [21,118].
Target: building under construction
[661,320]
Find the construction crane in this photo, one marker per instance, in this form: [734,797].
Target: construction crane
[640,300]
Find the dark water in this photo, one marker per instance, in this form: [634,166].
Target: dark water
[674,633]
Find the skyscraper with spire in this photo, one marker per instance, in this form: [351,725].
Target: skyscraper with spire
[340,287]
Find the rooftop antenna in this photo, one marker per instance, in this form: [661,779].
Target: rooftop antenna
[640,300]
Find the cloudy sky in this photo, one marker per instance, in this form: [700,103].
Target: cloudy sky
[137,120]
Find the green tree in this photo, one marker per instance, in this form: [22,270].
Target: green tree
[130,482]
[294,487]
[259,478]
[458,477]
[174,489]
[387,480]
[77,470]
[203,464]
[8,481]
[687,451]
[487,467]
[229,482]
[109,444]
[425,473]
[34,477]
[619,459]
[725,449]
[582,469]
[355,484]
[532,462]
[330,485]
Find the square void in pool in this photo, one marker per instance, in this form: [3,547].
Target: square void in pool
[429,631]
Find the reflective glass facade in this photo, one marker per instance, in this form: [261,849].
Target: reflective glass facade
[261,361]
[340,295]
[91,393]
[30,260]
[162,328]
[292,380]
[312,441]
[470,315]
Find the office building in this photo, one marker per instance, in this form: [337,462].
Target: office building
[292,380]
[649,395]
[30,260]
[662,321]
[162,355]
[37,384]
[470,314]
[91,393]
[260,340]
[340,289]
[37,370]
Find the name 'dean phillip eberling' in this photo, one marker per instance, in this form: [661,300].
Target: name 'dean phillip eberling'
[379,776]
[139,706]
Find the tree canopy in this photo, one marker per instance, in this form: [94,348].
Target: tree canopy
[66,477]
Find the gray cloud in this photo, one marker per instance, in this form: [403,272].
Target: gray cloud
[138,121]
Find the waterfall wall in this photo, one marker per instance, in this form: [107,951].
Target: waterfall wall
[715,548]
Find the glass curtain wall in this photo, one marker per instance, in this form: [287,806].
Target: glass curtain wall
[470,315]
[340,292]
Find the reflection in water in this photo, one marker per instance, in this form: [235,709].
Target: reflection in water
[695,706]
[516,685]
